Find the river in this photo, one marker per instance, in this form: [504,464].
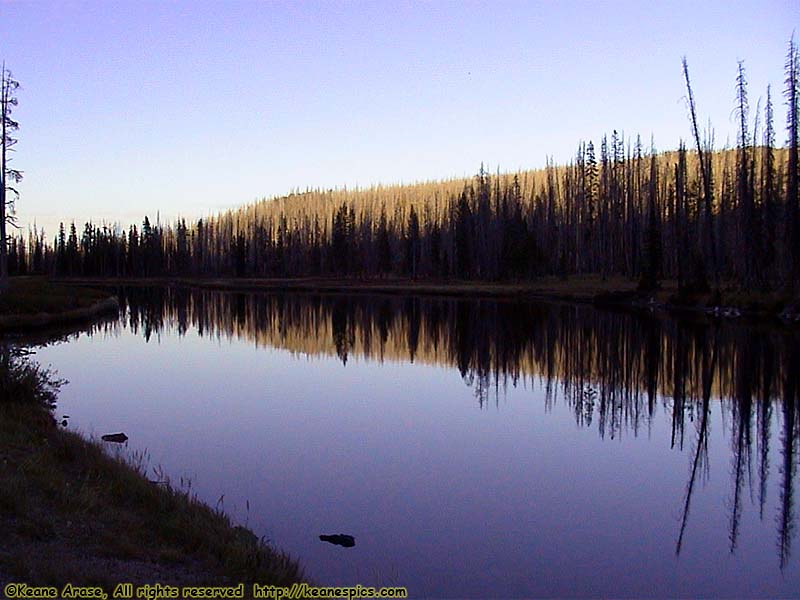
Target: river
[472,448]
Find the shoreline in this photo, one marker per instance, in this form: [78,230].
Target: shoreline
[34,303]
[75,512]
[21,322]
[81,511]
[611,293]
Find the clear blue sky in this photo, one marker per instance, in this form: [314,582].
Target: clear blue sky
[190,107]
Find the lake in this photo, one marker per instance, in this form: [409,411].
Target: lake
[472,448]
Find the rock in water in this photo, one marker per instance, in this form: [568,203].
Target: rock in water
[117,438]
[340,539]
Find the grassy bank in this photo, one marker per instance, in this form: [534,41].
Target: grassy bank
[33,302]
[70,512]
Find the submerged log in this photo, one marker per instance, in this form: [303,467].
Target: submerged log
[339,539]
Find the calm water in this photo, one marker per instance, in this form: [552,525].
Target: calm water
[473,449]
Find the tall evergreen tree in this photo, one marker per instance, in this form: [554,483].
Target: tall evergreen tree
[792,214]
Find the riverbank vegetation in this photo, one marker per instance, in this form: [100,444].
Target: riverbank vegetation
[702,217]
[35,302]
[34,295]
[71,512]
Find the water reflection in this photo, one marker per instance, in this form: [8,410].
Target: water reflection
[615,371]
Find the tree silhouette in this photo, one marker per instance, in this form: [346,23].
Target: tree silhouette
[8,176]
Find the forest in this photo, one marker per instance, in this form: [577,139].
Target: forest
[698,215]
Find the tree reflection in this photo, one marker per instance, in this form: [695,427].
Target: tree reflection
[614,370]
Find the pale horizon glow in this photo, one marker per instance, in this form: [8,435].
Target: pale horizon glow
[188,108]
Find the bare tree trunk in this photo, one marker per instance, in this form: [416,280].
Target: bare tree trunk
[707,195]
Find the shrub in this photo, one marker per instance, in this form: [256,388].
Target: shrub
[23,381]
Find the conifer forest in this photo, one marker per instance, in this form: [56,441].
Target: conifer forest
[700,215]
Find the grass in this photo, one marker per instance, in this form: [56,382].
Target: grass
[36,302]
[34,295]
[70,512]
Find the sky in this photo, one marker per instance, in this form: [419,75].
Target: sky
[183,109]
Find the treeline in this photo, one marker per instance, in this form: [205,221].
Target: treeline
[696,215]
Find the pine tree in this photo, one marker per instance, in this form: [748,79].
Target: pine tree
[792,217]
[768,189]
[748,229]
[463,237]
[652,258]
[412,244]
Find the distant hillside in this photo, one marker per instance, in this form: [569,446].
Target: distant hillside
[433,197]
